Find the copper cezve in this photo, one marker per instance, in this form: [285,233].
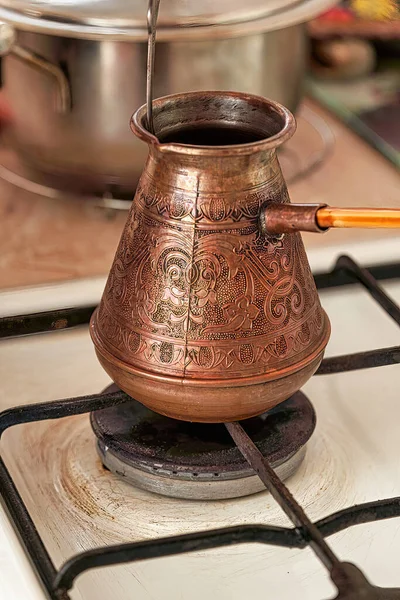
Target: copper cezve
[205,318]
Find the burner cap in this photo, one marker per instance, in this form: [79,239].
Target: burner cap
[197,460]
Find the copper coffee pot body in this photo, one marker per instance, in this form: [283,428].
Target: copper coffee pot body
[204,318]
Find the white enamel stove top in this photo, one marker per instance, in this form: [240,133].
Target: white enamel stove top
[353,457]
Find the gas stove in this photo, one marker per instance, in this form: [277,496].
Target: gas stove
[112,500]
[199,461]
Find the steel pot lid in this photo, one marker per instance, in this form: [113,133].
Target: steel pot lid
[178,19]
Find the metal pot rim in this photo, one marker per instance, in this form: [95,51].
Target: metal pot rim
[287,123]
[123,29]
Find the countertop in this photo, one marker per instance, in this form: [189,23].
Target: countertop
[52,240]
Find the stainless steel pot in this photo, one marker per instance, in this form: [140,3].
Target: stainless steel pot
[73,87]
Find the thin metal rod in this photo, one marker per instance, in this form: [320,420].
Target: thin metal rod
[360,360]
[217,538]
[367,218]
[59,409]
[152,16]
[342,277]
[27,531]
[45,321]
[369,512]
[281,494]
[370,284]
[172,546]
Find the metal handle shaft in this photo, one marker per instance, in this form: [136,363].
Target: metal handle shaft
[277,219]
[368,218]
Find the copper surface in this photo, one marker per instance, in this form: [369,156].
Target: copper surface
[318,218]
[276,219]
[204,318]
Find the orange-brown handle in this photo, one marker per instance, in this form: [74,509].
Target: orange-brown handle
[276,219]
[368,218]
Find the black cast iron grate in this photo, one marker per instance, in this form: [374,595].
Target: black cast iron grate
[349,581]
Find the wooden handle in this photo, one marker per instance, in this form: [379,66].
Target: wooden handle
[367,218]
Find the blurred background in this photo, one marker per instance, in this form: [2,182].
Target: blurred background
[355,69]
[72,73]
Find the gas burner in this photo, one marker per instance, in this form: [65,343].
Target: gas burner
[196,460]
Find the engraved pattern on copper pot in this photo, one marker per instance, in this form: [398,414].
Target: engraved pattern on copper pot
[196,290]
[227,304]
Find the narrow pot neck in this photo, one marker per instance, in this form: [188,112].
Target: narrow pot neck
[214,141]
[212,174]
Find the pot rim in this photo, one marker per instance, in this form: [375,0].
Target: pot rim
[138,125]
[36,20]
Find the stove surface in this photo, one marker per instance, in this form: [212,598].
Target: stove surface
[76,504]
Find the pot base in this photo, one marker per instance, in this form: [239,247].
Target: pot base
[206,401]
